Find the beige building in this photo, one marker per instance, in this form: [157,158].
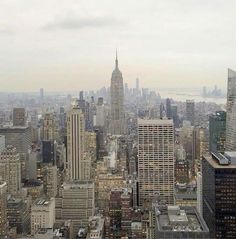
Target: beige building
[10,169]
[50,127]
[156,161]
[75,202]
[3,209]
[75,141]
[42,215]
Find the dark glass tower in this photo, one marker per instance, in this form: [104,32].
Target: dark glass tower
[217,129]
[219,194]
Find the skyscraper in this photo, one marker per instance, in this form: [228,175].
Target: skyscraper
[75,141]
[19,117]
[190,111]
[219,194]
[231,112]
[117,101]
[217,128]
[156,160]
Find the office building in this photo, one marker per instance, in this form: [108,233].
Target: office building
[117,102]
[219,194]
[10,169]
[231,112]
[19,117]
[50,127]
[18,215]
[75,202]
[156,160]
[190,111]
[75,141]
[100,113]
[42,215]
[217,131]
[3,209]
[168,109]
[199,193]
[17,136]
[48,151]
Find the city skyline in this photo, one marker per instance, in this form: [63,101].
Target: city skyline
[67,46]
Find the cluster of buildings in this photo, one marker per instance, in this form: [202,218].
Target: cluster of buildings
[119,163]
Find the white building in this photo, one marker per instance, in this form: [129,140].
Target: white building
[42,215]
[230,144]
[156,160]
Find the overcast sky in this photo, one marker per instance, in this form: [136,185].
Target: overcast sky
[70,44]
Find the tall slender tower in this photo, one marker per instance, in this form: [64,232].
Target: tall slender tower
[231,112]
[75,141]
[117,101]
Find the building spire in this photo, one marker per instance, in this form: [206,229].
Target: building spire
[116,59]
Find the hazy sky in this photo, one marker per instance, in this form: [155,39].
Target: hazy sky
[70,44]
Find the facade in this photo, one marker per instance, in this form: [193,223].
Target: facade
[75,202]
[18,215]
[19,117]
[190,111]
[217,131]
[100,113]
[49,127]
[10,169]
[231,112]
[75,141]
[50,180]
[156,160]
[178,222]
[117,102]
[42,215]
[2,143]
[17,136]
[199,193]
[3,209]
[219,194]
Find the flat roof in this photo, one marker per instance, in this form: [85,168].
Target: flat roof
[177,218]
[215,163]
[155,121]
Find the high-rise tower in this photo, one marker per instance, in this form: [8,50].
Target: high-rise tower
[75,141]
[117,101]
[231,112]
[156,160]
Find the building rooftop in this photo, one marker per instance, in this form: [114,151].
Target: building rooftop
[182,219]
[218,160]
[155,122]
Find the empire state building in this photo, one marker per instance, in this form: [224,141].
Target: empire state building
[117,101]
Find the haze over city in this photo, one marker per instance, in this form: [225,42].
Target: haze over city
[68,45]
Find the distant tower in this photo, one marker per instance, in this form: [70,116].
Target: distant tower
[75,141]
[231,112]
[137,85]
[117,101]
[41,92]
[190,111]
[19,117]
